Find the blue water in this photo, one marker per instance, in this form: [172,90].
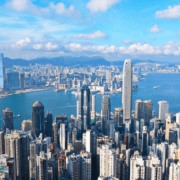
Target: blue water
[61,102]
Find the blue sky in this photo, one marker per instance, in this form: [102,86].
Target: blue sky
[113,29]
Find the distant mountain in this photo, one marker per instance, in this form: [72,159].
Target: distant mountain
[83,61]
[59,61]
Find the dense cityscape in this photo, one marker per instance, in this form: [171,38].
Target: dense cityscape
[119,144]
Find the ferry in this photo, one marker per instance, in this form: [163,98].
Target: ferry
[155,87]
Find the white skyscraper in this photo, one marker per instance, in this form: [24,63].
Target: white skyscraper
[163,109]
[137,167]
[94,103]
[178,118]
[88,141]
[108,76]
[127,90]
[107,161]
[174,171]
[62,136]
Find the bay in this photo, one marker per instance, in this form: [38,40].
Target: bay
[61,102]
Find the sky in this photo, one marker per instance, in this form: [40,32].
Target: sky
[113,29]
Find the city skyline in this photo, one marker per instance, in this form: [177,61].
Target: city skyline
[33,29]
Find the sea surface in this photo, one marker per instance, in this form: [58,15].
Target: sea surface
[61,102]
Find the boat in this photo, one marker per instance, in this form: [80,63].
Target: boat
[145,91]
[155,87]
[69,90]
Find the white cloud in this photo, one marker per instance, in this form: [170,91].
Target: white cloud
[22,43]
[95,35]
[128,41]
[100,5]
[62,10]
[37,46]
[50,46]
[155,29]
[170,13]
[26,5]
[171,48]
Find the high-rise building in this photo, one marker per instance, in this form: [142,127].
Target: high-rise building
[2,71]
[21,80]
[55,133]
[8,119]
[108,76]
[178,118]
[144,141]
[174,170]
[37,119]
[13,80]
[127,90]
[2,144]
[93,110]
[42,166]
[88,141]
[17,146]
[153,167]
[163,110]
[26,125]
[62,137]
[137,167]
[61,164]
[48,124]
[107,161]
[143,110]
[105,114]
[85,119]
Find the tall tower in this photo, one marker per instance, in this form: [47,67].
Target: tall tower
[105,113]
[38,118]
[163,109]
[62,137]
[8,119]
[108,76]
[21,80]
[2,71]
[127,90]
[85,108]
[48,124]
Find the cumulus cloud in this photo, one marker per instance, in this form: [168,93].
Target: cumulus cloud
[128,41]
[37,46]
[100,5]
[62,10]
[171,48]
[26,5]
[170,13]
[50,46]
[95,35]
[155,29]
[22,43]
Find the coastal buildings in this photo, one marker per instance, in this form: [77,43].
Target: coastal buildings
[8,119]
[163,110]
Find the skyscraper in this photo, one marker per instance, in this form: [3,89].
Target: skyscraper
[48,124]
[93,112]
[163,110]
[62,137]
[105,113]
[21,80]
[85,120]
[127,90]
[8,119]
[37,119]
[2,71]
[108,76]
[143,110]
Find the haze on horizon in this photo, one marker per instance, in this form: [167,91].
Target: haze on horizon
[113,29]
